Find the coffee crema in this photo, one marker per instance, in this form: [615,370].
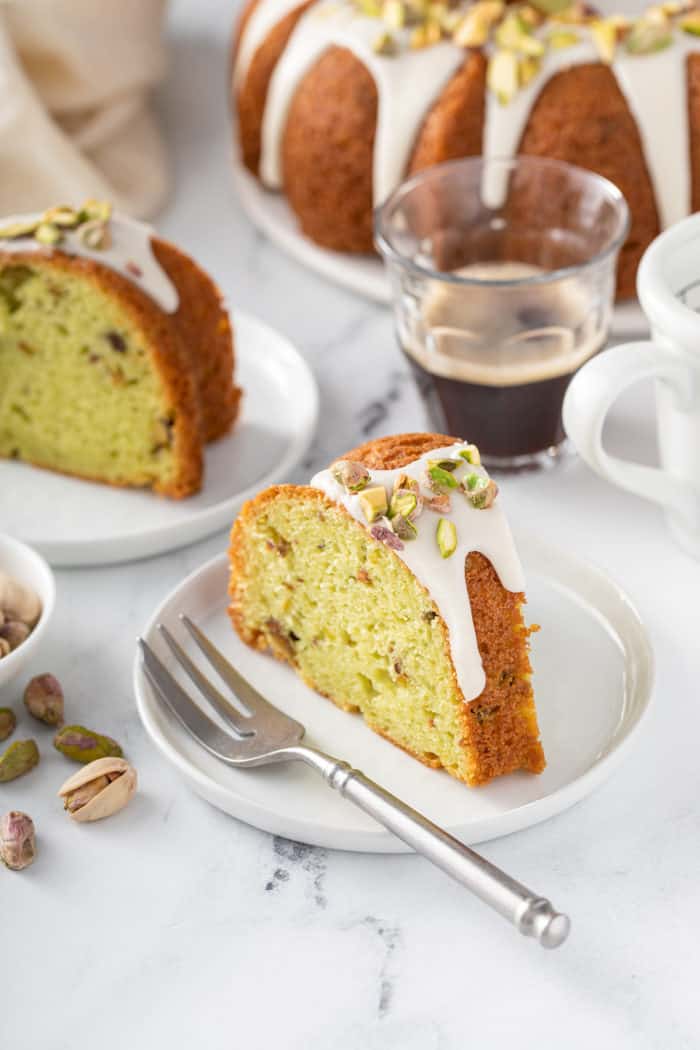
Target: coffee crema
[494,358]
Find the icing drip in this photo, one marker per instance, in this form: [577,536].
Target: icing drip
[661,116]
[486,531]
[401,106]
[130,254]
[409,83]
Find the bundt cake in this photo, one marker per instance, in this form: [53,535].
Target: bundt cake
[338,100]
[116,354]
[392,585]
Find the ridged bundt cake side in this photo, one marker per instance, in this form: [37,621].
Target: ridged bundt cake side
[313,586]
[322,118]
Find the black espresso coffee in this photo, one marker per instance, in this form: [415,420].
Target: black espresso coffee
[493,363]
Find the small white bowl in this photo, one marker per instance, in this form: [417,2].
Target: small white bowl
[27,567]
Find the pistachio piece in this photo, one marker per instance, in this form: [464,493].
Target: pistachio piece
[471,454]
[384,44]
[43,698]
[446,536]
[95,235]
[8,722]
[383,532]
[351,476]
[99,789]
[82,745]
[449,465]
[528,68]
[474,28]
[440,503]
[425,35]
[551,7]
[403,527]
[394,13]
[17,840]
[404,503]
[14,632]
[480,491]
[515,34]
[403,481]
[604,36]
[690,24]
[18,759]
[502,75]
[439,480]
[373,502]
[62,215]
[18,602]
[648,36]
[47,233]
[99,210]
[22,228]
[560,39]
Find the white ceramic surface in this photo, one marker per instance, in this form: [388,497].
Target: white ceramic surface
[586,719]
[75,522]
[24,564]
[669,291]
[362,274]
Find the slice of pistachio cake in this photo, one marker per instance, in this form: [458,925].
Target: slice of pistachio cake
[393,586]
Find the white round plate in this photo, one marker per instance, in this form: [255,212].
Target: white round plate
[75,522]
[363,274]
[593,677]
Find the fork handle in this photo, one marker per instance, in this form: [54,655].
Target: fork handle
[531,914]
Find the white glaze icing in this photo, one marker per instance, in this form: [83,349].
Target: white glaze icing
[400,107]
[486,531]
[409,83]
[130,254]
[661,114]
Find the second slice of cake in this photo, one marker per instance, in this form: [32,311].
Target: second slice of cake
[393,586]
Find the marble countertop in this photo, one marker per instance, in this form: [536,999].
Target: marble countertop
[176,926]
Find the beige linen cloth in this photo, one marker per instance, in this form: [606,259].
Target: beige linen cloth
[75,117]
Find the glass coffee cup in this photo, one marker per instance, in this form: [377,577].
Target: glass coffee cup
[503,280]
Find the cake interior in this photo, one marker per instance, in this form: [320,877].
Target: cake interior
[310,584]
[77,391]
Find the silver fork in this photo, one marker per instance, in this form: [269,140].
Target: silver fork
[265,735]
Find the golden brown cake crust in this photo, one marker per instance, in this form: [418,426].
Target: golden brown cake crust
[500,725]
[327,152]
[203,327]
[250,100]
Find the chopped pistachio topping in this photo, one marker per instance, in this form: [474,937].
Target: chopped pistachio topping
[444,464]
[403,481]
[47,233]
[374,503]
[351,476]
[384,44]
[403,527]
[90,223]
[520,35]
[404,504]
[446,536]
[480,491]
[439,480]
[471,454]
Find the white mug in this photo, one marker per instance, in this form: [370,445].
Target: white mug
[668,285]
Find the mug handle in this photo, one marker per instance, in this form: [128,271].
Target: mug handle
[591,394]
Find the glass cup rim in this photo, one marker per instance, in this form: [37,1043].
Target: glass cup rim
[610,190]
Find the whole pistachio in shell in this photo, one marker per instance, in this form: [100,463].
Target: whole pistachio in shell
[82,745]
[99,789]
[43,698]
[18,602]
[17,842]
